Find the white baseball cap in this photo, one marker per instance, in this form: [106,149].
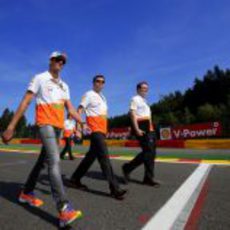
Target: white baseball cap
[57,54]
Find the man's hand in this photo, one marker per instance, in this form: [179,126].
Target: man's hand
[140,133]
[86,129]
[9,132]
[72,111]
[78,133]
[7,135]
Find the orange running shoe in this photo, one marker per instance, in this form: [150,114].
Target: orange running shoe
[30,199]
[67,215]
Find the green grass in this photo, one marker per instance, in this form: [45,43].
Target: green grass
[181,155]
[19,146]
[133,152]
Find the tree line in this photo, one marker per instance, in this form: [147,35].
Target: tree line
[207,100]
[23,129]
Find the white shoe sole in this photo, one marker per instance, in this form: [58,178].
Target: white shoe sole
[23,201]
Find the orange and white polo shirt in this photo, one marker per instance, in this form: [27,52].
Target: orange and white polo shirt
[95,106]
[51,95]
[142,110]
[69,128]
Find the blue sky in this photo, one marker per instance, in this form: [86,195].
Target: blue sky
[167,43]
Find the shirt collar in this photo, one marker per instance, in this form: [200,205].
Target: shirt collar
[142,98]
[56,80]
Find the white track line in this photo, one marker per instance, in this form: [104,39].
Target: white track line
[172,215]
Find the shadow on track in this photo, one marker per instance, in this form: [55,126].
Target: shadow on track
[10,192]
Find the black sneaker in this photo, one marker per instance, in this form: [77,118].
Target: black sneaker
[125,174]
[151,183]
[118,194]
[75,184]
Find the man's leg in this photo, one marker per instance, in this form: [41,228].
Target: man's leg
[149,159]
[62,155]
[135,162]
[49,140]
[101,149]
[27,194]
[69,148]
[33,177]
[149,148]
[85,164]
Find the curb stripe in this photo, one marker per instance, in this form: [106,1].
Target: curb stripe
[196,212]
[173,214]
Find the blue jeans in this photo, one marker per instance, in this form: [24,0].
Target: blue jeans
[49,154]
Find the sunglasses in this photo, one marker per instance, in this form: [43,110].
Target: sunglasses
[144,89]
[100,81]
[60,59]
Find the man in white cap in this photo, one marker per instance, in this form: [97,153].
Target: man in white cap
[52,97]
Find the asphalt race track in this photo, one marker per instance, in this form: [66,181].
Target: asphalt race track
[209,209]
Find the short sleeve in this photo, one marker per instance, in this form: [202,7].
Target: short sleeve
[34,85]
[133,104]
[85,101]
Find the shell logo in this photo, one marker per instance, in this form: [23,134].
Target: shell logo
[216,124]
[165,134]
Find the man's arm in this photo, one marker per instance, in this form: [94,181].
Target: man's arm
[72,111]
[9,132]
[84,127]
[138,131]
[151,125]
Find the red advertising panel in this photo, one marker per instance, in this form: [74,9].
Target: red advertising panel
[203,130]
[118,133]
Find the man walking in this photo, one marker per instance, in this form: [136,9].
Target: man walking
[142,128]
[95,107]
[52,96]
